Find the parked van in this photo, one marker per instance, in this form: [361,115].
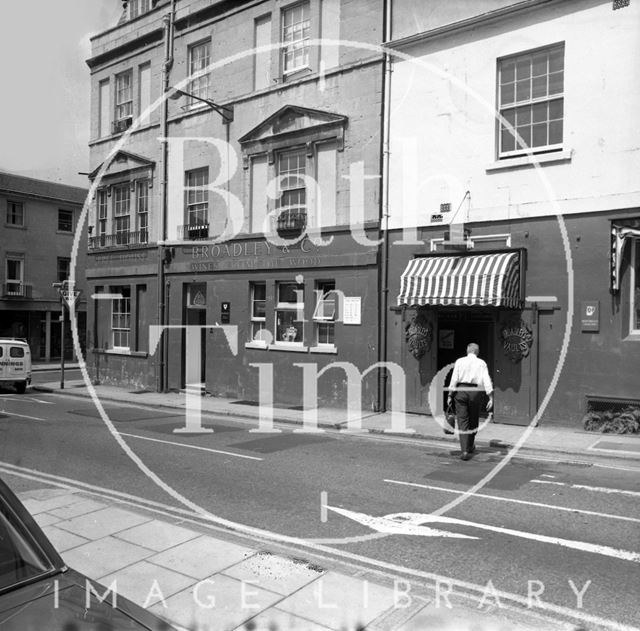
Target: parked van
[15,363]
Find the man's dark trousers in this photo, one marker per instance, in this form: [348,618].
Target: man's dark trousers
[468,401]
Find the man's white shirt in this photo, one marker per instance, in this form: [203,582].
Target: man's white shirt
[471,369]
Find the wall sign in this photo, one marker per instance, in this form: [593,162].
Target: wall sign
[516,339]
[225,312]
[352,310]
[590,315]
[419,334]
[446,338]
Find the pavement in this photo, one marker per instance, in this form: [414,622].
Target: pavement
[197,579]
[551,440]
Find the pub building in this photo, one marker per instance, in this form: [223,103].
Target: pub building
[264,144]
[520,229]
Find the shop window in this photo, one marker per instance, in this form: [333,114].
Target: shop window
[121,318]
[199,60]
[64,268]
[258,310]
[65,220]
[197,204]
[324,314]
[15,214]
[121,210]
[289,313]
[296,31]
[635,286]
[531,100]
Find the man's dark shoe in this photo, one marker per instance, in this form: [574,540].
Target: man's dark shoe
[465,455]
[448,431]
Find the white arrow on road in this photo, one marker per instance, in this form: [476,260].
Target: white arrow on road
[397,524]
[412,524]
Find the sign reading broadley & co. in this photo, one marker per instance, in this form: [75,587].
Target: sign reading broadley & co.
[261,254]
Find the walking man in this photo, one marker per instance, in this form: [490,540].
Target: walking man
[469,379]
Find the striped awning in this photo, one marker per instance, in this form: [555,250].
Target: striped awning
[477,279]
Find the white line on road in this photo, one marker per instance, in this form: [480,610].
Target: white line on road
[515,501]
[31,418]
[584,487]
[168,442]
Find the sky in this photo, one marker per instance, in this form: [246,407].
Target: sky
[44,121]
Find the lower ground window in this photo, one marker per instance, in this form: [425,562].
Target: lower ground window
[324,313]
[121,317]
[290,313]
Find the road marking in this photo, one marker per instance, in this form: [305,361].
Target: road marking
[584,487]
[168,442]
[474,591]
[547,475]
[515,501]
[41,401]
[31,418]
[403,523]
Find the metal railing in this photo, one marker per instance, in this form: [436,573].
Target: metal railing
[193,232]
[292,219]
[119,239]
[16,290]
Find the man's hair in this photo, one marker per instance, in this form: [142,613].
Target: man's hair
[473,348]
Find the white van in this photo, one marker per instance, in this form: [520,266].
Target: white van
[15,363]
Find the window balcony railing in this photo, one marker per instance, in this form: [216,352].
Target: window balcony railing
[119,240]
[16,290]
[193,232]
[291,220]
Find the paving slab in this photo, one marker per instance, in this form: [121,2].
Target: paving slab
[79,507]
[275,573]
[275,619]
[98,524]
[104,556]
[147,584]
[157,535]
[201,557]
[63,540]
[46,519]
[340,602]
[35,506]
[219,603]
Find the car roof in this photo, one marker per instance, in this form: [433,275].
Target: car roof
[14,340]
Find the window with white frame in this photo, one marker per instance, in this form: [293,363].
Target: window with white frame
[296,31]
[64,268]
[121,317]
[635,286]
[138,7]
[531,101]
[65,220]
[142,210]
[124,96]
[102,216]
[14,275]
[199,59]
[121,209]
[292,199]
[15,214]
[258,310]
[289,313]
[324,314]
[197,204]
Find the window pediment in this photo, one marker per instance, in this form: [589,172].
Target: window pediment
[291,125]
[123,162]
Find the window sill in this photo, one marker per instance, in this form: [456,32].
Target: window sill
[261,346]
[326,349]
[120,353]
[529,161]
[634,336]
[292,348]
[14,226]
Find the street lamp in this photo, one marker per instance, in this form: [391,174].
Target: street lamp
[226,111]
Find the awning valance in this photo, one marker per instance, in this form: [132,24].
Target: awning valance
[463,280]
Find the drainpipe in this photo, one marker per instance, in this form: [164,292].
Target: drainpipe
[168,24]
[383,231]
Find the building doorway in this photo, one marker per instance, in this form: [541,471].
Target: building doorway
[194,343]
[456,329]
